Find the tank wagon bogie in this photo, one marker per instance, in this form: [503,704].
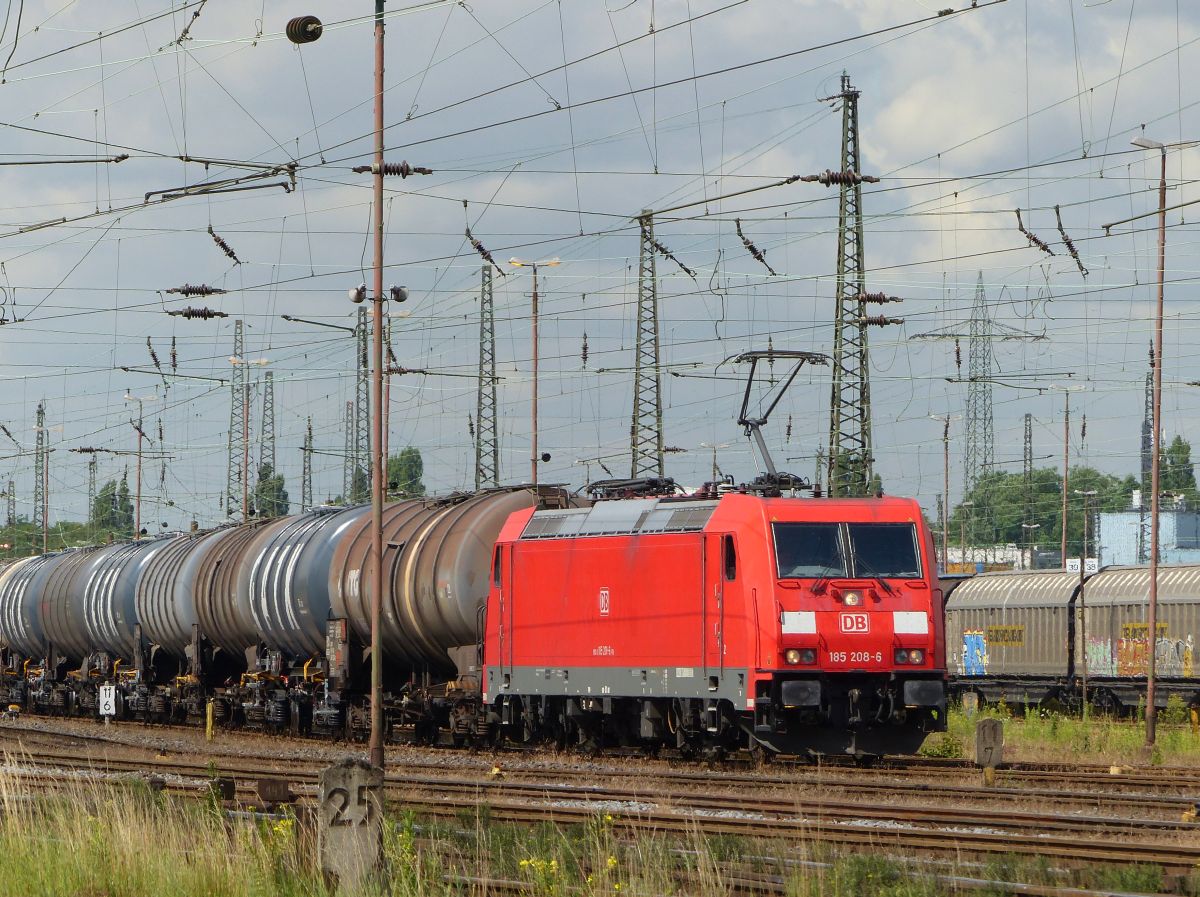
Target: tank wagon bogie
[704,623]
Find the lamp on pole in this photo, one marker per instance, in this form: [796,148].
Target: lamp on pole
[1152,610]
[533,403]
[303,30]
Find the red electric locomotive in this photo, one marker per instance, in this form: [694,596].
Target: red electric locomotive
[786,625]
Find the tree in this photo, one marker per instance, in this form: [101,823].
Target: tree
[270,498]
[996,510]
[1177,475]
[404,473]
[112,510]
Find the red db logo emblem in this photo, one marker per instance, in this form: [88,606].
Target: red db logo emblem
[855,623]
[604,603]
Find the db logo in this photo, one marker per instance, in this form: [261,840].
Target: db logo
[855,623]
[604,603]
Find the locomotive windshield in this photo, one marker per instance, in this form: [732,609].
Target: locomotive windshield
[809,549]
[815,550]
[884,549]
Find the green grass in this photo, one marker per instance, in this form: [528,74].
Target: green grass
[1054,737]
[123,840]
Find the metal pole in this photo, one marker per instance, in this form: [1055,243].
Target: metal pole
[245,453]
[945,491]
[1083,608]
[137,523]
[1152,613]
[1065,477]
[46,499]
[387,411]
[376,745]
[533,455]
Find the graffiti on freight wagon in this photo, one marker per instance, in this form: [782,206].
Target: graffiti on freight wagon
[974,653]
[1128,655]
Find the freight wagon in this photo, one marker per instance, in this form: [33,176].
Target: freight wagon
[1033,637]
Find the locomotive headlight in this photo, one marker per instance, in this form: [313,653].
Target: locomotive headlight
[792,655]
[901,655]
[852,599]
[916,655]
[808,655]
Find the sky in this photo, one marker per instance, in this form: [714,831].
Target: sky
[550,125]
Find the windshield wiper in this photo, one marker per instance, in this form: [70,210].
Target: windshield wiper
[870,574]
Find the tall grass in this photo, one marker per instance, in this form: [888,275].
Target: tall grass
[110,839]
[1040,735]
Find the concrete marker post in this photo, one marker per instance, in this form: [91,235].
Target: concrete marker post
[989,747]
[350,823]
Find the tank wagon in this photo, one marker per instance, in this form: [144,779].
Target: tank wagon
[786,625]
[1034,637]
[702,622]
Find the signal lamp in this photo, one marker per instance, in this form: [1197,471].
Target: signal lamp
[800,655]
[910,655]
[852,599]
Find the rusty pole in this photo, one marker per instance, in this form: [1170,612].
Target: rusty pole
[376,741]
[945,491]
[1152,612]
[1066,476]
[533,454]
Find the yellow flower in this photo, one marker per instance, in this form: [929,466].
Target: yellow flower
[608,817]
[617,886]
[611,862]
[590,879]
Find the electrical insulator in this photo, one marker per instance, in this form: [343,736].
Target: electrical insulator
[174,356]
[304,29]
[788,432]
[879,320]
[958,356]
[471,425]
[878,298]
[224,247]
[403,169]
[202,314]
[200,289]
[840,178]
[583,352]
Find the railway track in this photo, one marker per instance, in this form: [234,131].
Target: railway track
[662,808]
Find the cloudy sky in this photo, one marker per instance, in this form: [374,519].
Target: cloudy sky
[965,118]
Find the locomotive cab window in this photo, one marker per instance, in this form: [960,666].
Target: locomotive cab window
[809,550]
[730,559]
[496,568]
[885,549]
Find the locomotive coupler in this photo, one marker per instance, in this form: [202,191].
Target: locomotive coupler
[854,711]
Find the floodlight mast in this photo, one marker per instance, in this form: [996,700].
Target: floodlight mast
[773,480]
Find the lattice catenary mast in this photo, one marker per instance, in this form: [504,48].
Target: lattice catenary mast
[1027,483]
[39,470]
[266,446]
[306,486]
[645,431]
[850,457]
[349,467]
[237,424]
[11,511]
[487,440]
[362,423]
